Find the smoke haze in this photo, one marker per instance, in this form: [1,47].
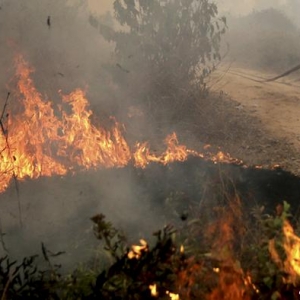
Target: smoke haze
[58,41]
[66,52]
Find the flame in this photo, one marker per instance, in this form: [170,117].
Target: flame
[181,249]
[86,145]
[153,290]
[137,250]
[40,139]
[291,245]
[232,284]
[292,250]
[172,295]
[248,282]
[174,152]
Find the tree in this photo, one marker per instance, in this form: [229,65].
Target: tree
[164,48]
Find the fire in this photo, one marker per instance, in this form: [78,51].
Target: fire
[248,282]
[181,249]
[292,250]
[153,290]
[291,245]
[137,250]
[174,152]
[40,139]
[154,293]
[173,296]
[86,145]
[232,284]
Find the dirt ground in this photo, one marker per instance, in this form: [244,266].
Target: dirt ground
[260,121]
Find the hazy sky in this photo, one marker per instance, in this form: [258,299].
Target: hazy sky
[245,6]
[236,7]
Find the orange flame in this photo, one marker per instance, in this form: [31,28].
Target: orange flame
[137,250]
[39,139]
[292,250]
[233,284]
[291,245]
[174,152]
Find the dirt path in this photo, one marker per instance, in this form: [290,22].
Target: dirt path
[276,106]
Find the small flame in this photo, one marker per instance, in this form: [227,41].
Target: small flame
[137,250]
[172,295]
[248,282]
[181,249]
[153,290]
[174,152]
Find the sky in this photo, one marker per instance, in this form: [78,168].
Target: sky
[233,7]
[243,7]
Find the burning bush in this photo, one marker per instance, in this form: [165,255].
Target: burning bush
[224,258]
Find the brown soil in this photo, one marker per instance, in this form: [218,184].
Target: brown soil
[258,122]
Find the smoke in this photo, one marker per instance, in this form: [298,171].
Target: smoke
[65,51]
[57,40]
[244,7]
[272,39]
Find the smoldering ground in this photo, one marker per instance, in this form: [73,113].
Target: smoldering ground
[57,211]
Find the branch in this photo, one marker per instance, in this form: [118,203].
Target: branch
[5,133]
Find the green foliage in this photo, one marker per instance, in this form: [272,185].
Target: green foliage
[163,48]
[25,281]
[113,239]
[256,257]
[191,274]
[130,277]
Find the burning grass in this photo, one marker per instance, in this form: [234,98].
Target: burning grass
[41,140]
[232,255]
[218,252]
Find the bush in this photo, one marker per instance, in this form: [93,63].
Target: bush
[233,256]
[163,49]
